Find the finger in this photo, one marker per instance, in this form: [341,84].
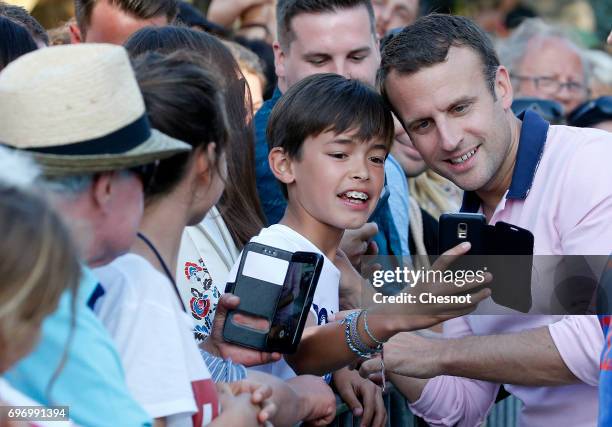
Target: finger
[376,378]
[368,397]
[450,256]
[369,230]
[261,393]
[363,248]
[372,248]
[228,302]
[267,357]
[267,411]
[352,401]
[380,415]
[369,367]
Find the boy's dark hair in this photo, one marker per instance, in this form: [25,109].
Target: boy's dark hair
[427,42]
[286,10]
[143,9]
[21,16]
[16,41]
[327,102]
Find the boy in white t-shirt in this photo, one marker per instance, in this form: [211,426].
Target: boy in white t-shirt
[329,138]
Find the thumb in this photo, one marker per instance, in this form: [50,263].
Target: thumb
[369,230]
[226,302]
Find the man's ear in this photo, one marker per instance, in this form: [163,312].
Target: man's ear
[279,59]
[75,34]
[102,191]
[281,165]
[280,66]
[503,87]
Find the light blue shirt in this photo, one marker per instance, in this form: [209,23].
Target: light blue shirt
[398,201]
[91,381]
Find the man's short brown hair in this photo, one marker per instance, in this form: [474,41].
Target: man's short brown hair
[143,9]
[286,10]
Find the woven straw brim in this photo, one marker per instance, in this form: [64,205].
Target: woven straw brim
[159,146]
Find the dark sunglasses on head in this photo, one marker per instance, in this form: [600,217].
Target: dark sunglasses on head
[591,112]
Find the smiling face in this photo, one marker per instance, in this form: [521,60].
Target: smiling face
[453,120]
[338,42]
[336,179]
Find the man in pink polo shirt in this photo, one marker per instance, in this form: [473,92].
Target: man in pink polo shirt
[443,80]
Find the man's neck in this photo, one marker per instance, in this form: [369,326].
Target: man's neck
[492,193]
[323,236]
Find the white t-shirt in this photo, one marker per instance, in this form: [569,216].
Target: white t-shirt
[154,336]
[12,397]
[206,255]
[326,298]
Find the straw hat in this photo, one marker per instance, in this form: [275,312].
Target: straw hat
[77,109]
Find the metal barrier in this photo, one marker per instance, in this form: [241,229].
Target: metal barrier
[503,414]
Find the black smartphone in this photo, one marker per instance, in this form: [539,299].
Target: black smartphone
[294,302]
[456,228]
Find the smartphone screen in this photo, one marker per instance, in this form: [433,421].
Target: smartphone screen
[291,302]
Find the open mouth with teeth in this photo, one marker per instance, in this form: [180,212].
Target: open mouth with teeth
[354,197]
[462,159]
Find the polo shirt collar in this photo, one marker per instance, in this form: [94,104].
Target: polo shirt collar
[529,153]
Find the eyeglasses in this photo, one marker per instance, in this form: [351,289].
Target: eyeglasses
[145,173]
[552,85]
[591,112]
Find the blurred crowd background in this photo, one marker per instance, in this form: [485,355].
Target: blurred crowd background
[586,22]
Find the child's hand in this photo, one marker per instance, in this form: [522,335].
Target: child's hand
[238,409]
[260,395]
[317,400]
[215,344]
[355,243]
[362,396]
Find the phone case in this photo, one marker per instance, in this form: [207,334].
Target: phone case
[511,262]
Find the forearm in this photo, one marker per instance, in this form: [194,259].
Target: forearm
[411,388]
[525,358]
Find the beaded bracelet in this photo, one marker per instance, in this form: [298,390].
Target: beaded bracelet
[353,339]
[367,329]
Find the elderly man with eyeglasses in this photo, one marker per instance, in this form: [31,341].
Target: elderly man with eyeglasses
[545,63]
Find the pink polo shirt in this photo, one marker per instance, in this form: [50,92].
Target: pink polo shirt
[561,191]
